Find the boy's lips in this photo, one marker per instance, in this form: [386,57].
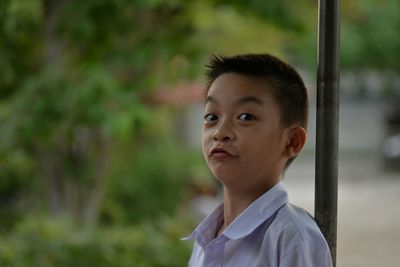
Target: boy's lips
[220,154]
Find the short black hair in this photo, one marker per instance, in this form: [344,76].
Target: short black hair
[282,80]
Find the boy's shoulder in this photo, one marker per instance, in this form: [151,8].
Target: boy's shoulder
[297,239]
[295,226]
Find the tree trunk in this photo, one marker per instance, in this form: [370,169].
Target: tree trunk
[66,195]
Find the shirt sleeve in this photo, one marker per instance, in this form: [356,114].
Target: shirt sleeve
[302,256]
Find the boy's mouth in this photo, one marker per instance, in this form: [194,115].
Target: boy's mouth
[220,154]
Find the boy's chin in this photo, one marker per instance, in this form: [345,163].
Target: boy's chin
[226,177]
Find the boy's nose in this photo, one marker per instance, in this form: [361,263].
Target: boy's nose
[223,133]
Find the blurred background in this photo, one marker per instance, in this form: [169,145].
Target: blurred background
[100,118]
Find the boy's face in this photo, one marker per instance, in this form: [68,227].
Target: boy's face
[242,138]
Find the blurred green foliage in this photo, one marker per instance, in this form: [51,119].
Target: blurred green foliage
[370,34]
[85,76]
[79,130]
[47,243]
[368,38]
[152,185]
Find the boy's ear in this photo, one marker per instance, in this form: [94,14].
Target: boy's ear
[295,142]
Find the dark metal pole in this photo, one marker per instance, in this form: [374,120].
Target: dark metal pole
[326,171]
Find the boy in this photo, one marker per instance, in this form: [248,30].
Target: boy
[254,126]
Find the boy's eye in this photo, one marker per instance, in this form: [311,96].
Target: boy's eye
[246,117]
[210,117]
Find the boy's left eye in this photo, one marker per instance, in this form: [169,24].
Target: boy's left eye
[246,117]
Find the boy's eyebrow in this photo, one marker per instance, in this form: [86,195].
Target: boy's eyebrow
[240,101]
[210,99]
[248,99]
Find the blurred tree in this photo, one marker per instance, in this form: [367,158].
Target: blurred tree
[256,26]
[76,82]
[369,35]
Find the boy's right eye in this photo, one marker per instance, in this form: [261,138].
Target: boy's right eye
[210,118]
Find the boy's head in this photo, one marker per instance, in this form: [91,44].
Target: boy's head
[281,79]
[262,84]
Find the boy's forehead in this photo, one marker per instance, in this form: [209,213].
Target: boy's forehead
[240,85]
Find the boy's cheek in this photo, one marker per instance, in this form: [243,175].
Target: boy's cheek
[204,146]
[205,138]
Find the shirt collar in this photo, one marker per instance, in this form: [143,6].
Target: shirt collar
[252,217]
[206,230]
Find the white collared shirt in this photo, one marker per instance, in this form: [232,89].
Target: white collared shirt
[270,232]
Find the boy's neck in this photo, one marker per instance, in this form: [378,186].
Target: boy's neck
[236,201]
